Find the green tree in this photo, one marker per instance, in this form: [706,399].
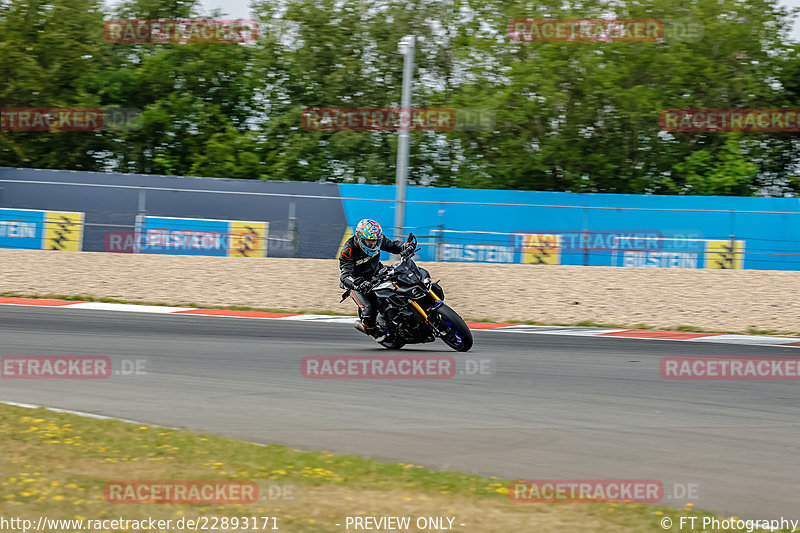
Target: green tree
[725,173]
[572,116]
[50,56]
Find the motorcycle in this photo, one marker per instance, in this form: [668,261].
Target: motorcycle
[411,308]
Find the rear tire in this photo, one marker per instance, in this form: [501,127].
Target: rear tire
[458,335]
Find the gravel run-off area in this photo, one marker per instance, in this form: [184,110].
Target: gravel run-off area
[714,300]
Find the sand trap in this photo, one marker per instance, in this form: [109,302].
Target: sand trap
[720,300]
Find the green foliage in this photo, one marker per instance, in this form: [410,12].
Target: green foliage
[725,173]
[575,116]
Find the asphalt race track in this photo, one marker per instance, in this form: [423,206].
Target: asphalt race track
[555,407]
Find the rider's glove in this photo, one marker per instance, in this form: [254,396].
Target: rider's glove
[364,286]
[408,247]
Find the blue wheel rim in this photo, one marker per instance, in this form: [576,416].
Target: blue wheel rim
[452,336]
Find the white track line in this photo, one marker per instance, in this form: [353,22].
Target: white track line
[753,340]
[84,414]
[100,306]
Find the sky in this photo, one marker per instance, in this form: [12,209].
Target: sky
[788,3]
[241,9]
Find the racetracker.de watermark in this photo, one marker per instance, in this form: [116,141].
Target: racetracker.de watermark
[598,239]
[67,367]
[38,119]
[604,30]
[755,120]
[181,492]
[181,31]
[395,367]
[378,119]
[586,30]
[586,490]
[375,367]
[730,368]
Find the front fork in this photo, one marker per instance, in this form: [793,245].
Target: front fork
[436,303]
[421,311]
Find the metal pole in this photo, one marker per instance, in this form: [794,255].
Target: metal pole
[440,240]
[732,237]
[406,47]
[293,245]
[138,225]
[142,201]
[585,237]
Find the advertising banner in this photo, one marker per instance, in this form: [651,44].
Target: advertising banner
[41,230]
[198,236]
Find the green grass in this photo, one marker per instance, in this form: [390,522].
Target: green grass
[57,464]
[690,329]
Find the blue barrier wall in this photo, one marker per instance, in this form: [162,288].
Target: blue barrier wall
[645,230]
[552,228]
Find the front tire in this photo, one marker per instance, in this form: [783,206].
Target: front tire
[457,334]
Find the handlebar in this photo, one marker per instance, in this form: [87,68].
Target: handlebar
[413,250]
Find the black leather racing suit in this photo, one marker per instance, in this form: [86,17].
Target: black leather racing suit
[357,266]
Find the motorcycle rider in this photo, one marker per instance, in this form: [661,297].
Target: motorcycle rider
[359,262]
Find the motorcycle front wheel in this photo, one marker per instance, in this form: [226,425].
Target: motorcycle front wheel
[456,333]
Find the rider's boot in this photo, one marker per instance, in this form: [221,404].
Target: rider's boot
[372,331]
[359,326]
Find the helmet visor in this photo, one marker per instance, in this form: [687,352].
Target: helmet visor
[370,243]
